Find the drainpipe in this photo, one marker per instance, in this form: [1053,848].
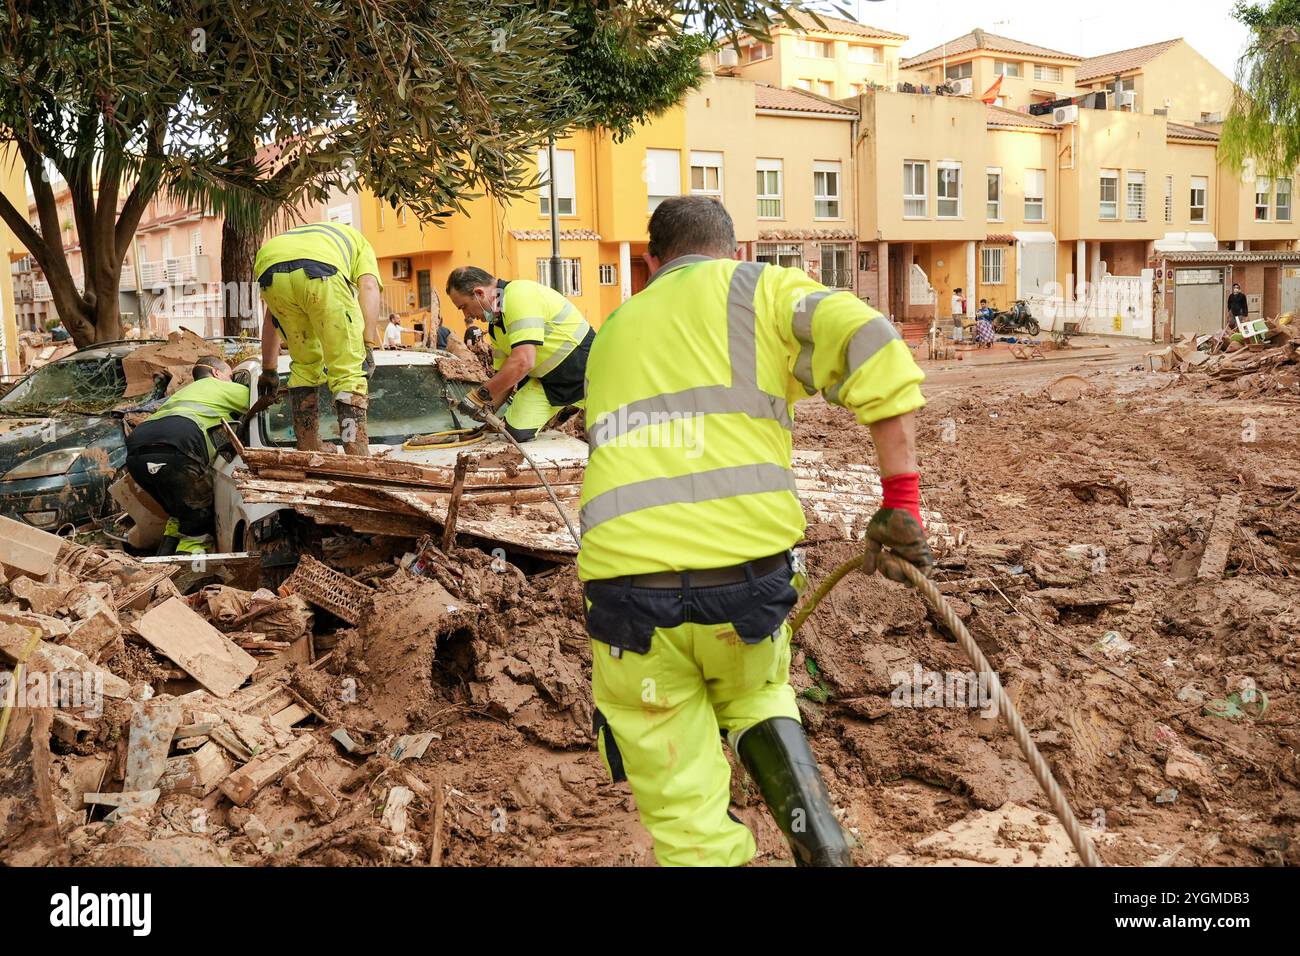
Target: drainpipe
[556,279]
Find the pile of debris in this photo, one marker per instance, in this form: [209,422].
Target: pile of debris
[1268,367]
[144,727]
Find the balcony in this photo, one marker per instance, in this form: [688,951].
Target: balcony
[41,291]
[153,275]
[186,269]
[126,281]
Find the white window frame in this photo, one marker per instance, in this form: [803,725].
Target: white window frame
[1012,68]
[1267,193]
[1135,195]
[833,201]
[993,207]
[1108,176]
[608,273]
[862,53]
[663,175]
[1169,199]
[570,275]
[939,198]
[763,182]
[909,180]
[1051,74]
[1041,199]
[1199,184]
[705,160]
[1290,200]
[786,254]
[992,265]
[809,47]
[846,274]
[566,182]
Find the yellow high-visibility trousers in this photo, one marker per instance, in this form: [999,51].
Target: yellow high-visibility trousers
[665,709]
[323,328]
[530,409]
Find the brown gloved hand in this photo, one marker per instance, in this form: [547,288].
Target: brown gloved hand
[268,383]
[897,530]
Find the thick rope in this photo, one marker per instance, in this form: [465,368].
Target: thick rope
[1042,773]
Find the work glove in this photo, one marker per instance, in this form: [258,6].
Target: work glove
[477,403]
[368,363]
[897,526]
[268,383]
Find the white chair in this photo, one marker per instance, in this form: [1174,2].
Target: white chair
[1253,330]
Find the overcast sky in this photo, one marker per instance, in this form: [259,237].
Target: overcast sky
[1085,28]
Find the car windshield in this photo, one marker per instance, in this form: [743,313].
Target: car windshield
[90,384]
[405,400]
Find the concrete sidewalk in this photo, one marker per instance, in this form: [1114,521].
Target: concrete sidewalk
[1000,353]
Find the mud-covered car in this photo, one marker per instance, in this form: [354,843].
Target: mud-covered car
[60,444]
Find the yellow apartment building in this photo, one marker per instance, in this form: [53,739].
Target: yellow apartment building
[13,184]
[837,60]
[975,62]
[1169,76]
[605,194]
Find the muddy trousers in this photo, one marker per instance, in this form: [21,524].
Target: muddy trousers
[323,328]
[530,409]
[178,483]
[660,719]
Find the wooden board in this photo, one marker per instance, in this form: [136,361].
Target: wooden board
[206,654]
[244,784]
[27,550]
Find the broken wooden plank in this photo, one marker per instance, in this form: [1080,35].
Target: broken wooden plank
[57,659]
[196,774]
[1215,557]
[152,726]
[313,793]
[205,653]
[244,784]
[453,506]
[27,550]
[293,714]
[125,799]
[394,816]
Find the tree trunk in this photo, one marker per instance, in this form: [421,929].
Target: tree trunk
[238,249]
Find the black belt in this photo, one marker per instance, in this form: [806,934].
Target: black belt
[313,268]
[711,577]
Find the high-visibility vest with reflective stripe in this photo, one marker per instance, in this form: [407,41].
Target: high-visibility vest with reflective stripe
[534,314]
[691,385]
[206,402]
[333,243]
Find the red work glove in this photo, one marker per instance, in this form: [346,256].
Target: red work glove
[897,526]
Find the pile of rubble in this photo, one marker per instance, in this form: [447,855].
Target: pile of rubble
[146,727]
[1270,367]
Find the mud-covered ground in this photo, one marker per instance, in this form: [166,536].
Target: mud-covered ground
[1078,519]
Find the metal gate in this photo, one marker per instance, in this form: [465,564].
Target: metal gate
[1199,305]
[1290,289]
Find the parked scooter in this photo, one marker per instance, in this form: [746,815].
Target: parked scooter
[1015,320]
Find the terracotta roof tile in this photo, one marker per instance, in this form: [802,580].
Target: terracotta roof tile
[775,98]
[787,235]
[999,116]
[544,235]
[839,25]
[983,40]
[1121,61]
[1179,131]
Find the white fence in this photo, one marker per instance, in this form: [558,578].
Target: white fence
[1116,305]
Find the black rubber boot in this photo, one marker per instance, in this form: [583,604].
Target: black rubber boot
[306,418]
[778,757]
[352,428]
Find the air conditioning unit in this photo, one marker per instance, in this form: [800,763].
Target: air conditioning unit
[1128,98]
[962,87]
[1065,114]
[728,57]
[401,268]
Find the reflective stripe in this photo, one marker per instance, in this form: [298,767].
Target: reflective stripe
[705,400]
[332,231]
[563,351]
[532,322]
[743,397]
[206,411]
[742,332]
[864,344]
[803,331]
[686,489]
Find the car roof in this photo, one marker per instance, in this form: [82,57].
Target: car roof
[114,349]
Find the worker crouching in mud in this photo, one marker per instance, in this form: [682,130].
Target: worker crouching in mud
[320,283]
[538,337]
[170,454]
[686,545]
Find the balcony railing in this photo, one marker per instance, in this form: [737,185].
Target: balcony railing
[837,278]
[175,270]
[126,281]
[153,274]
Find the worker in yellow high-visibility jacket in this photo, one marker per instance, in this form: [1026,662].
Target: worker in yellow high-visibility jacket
[320,283]
[170,453]
[539,338]
[689,516]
